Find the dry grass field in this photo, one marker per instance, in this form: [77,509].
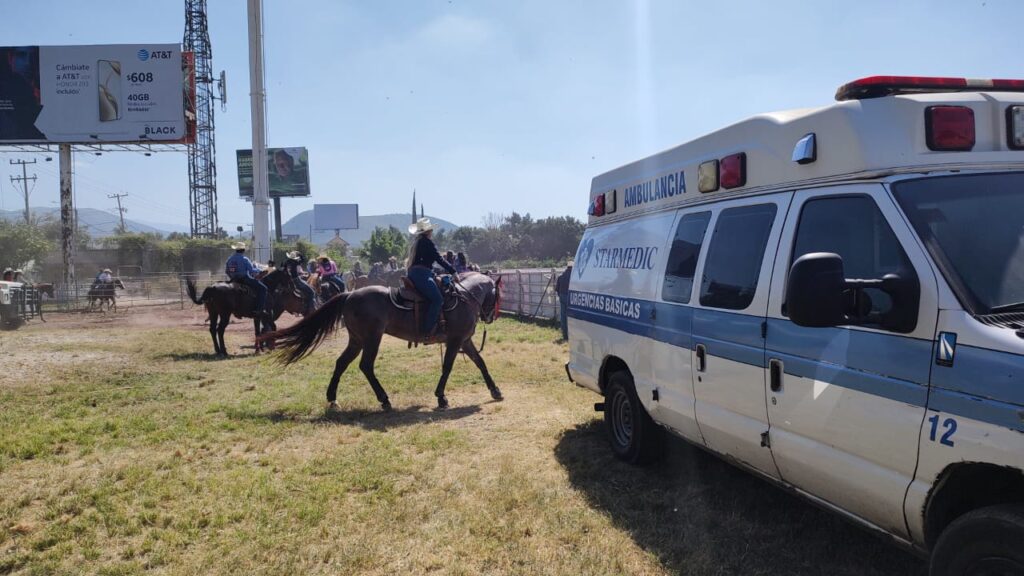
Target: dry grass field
[125,448]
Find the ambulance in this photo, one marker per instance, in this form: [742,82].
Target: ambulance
[832,299]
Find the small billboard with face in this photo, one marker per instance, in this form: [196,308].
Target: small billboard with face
[287,170]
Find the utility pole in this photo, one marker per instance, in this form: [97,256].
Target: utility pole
[257,95]
[120,210]
[24,182]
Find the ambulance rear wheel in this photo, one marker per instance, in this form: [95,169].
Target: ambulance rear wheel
[985,542]
[634,436]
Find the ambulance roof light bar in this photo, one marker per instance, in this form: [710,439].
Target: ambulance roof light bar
[878,86]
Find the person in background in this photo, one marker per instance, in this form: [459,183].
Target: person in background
[449,257]
[8,275]
[19,276]
[422,256]
[461,263]
[562,289]
[270,266]
[392,263]
[292,264]
[240,269]
[357,269]
[105,276]
[329,273]
[311,267]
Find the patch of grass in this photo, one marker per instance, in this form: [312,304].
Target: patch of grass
[144,454]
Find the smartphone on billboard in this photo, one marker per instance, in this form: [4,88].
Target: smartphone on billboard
[109,83]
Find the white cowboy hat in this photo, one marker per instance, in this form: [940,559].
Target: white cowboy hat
[238,245]
[294,254]
[421,225]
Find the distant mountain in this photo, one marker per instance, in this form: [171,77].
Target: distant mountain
[98,223]
[300,224]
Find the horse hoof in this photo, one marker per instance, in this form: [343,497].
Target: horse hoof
[442,403]
[385,406]
[332,407]
[496,394]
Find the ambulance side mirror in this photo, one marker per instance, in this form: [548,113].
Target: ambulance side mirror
[814,294]
[819,295]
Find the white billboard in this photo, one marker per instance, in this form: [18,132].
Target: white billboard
[91,94]
[335,216]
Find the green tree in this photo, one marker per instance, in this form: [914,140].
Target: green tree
[383,244]
[21,243]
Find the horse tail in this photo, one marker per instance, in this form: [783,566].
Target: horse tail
[190,287]
[298,341]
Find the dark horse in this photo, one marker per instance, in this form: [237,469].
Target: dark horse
[224,299]
[370,312]
[104,292]
[37,303]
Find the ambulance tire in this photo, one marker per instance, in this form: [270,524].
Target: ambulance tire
[982,542]
[634,436]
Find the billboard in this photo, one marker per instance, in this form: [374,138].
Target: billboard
[91,94]
[335,216]
[288,169]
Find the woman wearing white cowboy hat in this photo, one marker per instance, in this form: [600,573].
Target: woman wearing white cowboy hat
[422,256]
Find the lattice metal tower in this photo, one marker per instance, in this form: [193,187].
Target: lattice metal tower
[202,156]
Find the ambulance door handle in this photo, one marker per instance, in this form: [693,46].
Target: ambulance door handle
[702,357]
[775,370]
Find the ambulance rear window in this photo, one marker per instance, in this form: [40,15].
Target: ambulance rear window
[682,260]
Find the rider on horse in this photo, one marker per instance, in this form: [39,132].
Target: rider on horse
[292,265]
[422,256]
[104,277]
[329,273]
[240,269]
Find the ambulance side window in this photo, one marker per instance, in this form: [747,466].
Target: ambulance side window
[682,259]
[734,256]
[853,227]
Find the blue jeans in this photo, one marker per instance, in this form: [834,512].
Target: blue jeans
[563,316]
[423,279]
[259,287]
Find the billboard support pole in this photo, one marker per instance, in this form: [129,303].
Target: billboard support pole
[67,224]
[261,182]
[277,218]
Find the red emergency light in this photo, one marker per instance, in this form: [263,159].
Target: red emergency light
[596,206]
[878,86]
[732,171]
[949,128]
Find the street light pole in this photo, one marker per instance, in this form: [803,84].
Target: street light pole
[257,92]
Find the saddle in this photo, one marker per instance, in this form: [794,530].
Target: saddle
[406,297]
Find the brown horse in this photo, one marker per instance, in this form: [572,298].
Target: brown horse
[371,312]
[104,293]
[224,299]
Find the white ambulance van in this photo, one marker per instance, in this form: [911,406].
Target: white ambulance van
[833,299]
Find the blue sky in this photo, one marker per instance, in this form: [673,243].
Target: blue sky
[499,106]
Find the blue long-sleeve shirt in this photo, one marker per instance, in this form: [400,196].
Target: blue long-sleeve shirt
[239,266]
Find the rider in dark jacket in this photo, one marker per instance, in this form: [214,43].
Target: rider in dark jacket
[294,261]
[422,256]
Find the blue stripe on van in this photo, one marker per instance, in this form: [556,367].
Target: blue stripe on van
[892,367]
[737,337]
[975,408]
[987,373]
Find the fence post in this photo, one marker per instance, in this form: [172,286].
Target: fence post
[519,280]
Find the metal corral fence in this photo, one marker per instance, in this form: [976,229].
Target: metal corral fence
[530,292]
[139,290]
[527,292]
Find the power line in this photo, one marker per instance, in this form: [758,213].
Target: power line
[24,179]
